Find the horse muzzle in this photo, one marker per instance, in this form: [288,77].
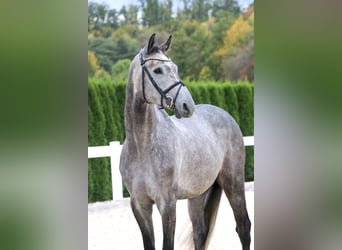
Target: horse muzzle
[184,109]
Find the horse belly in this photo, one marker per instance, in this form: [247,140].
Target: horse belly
[196,176]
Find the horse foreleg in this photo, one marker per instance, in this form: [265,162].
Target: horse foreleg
[199,226]
[143,215]
[167,211]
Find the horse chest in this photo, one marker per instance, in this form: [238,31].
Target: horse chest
[144,174]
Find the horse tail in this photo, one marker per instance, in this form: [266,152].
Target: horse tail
[211,206]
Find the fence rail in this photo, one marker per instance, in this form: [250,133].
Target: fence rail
[114,151]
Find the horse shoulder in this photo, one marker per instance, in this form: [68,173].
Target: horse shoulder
[127,160]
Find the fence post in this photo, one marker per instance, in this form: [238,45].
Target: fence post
[248,140]
[115,151]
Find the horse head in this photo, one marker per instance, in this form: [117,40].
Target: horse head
[161,84]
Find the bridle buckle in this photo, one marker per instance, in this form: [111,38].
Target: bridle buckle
[169,101]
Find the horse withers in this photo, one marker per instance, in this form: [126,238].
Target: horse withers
[194,154]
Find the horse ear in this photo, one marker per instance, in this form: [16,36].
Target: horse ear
[167,45]
[150,43]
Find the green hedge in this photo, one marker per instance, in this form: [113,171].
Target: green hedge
[106,103]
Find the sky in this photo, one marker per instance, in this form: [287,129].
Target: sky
[117,4]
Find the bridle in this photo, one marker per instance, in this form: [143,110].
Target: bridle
[170,102]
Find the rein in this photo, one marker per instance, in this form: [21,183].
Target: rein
[170,102]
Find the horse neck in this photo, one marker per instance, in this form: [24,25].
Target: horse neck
[140,118]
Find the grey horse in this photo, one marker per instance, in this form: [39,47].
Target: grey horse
[165,158]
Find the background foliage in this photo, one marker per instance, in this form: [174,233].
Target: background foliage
[106,122]
[217,34]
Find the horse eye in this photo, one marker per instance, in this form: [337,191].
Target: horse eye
[158,71]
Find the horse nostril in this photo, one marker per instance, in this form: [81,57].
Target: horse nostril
[185,108]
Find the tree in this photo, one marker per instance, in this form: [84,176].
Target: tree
[102,10]
[200,10]
[239,34]
[186,51]
[150,12]
[93,67]
[237,52]
[113,19]
[166,12]
[130,15]
[215,34]
[92,13]
[90,172]
[205,74]
[240,65]
[225,6]
[99,167]
[109,50]
[120,70]
[185,14]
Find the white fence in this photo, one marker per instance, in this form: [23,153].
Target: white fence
[114,150]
